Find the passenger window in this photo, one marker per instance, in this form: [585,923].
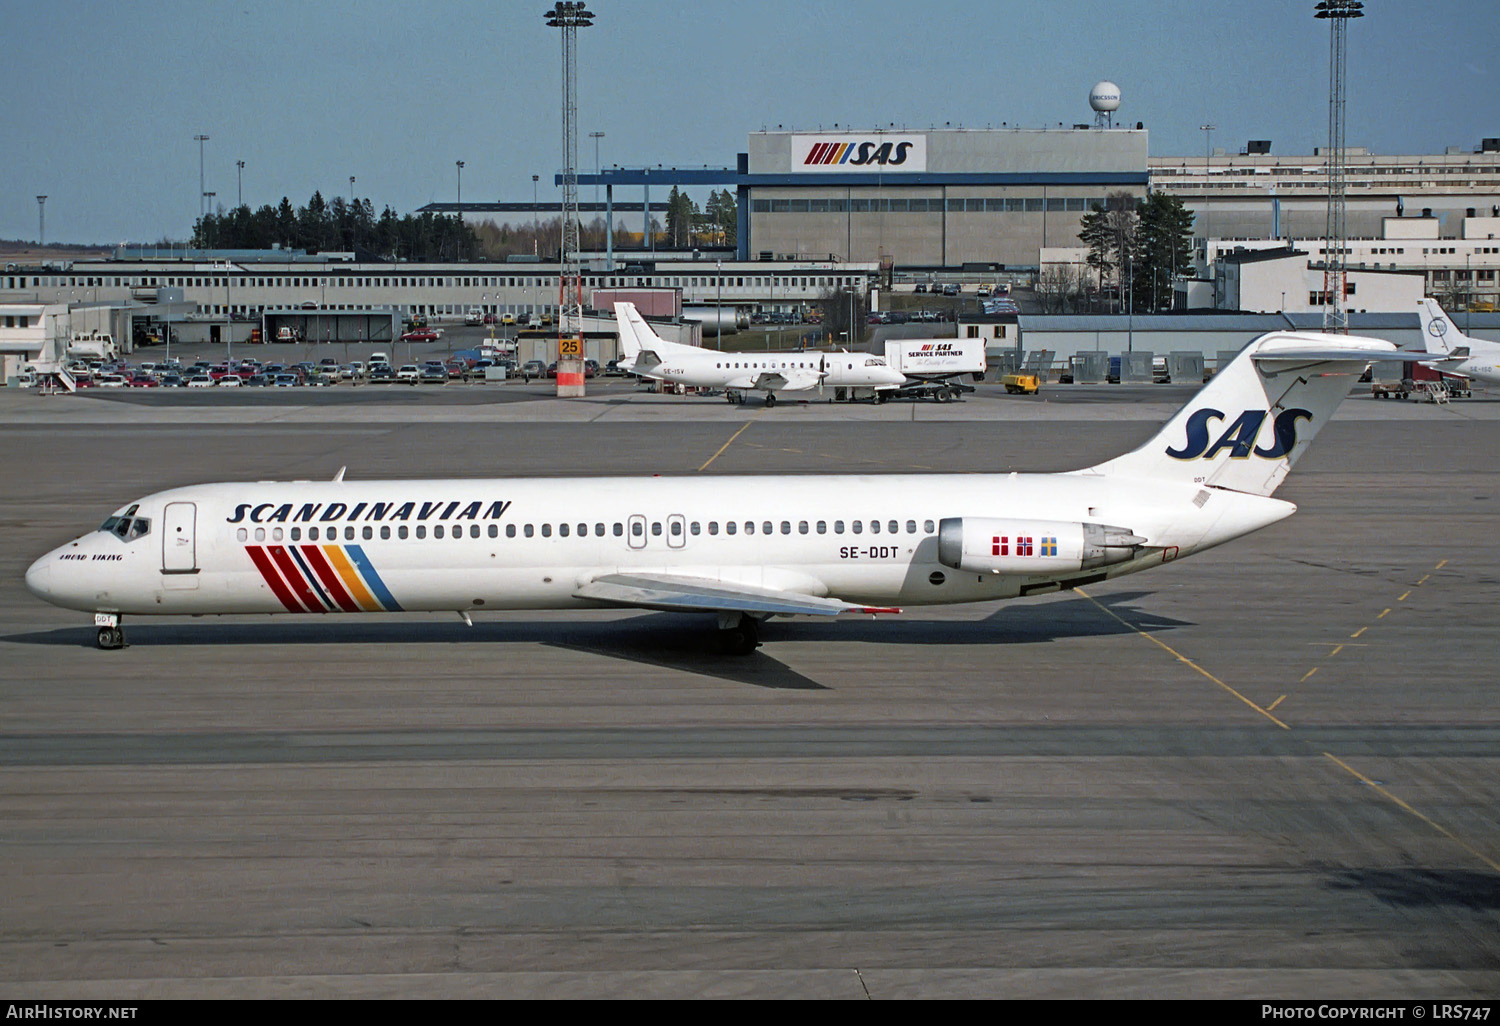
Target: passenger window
[421,531]
[369,532]
[530,530]
[838,527]
[562,530]
[546,530]
[893,527]
[494,530]
[786,527]
[874,526]
[474,530]
[598,530]
[348,534]
[276,534]
[510,530]
[766,528]
[729,527]
[856,526]
[637,530]
[242,535]
[911,527]
[802,527]
[693,528]
[312,534]
[713,527]
[619,529]
[437,532]
[583,530]
[296,534]
[401,532]
[822,527]
[928,526]
[676,528]
[749,526]
[656,529]
[260,534]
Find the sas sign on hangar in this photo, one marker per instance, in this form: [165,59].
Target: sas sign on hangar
[820,152]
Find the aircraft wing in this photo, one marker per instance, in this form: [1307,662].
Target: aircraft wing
[676,593]
[794,381]
[1350,355]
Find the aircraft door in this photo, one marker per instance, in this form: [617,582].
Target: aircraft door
[676,531]
[635,532]
[179,546]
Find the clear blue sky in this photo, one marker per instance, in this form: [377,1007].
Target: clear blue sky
[102,100]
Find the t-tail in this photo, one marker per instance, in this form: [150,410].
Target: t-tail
[1247,428]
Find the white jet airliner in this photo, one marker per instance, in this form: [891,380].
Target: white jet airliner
[1467,357]
[743,548]
[651,356]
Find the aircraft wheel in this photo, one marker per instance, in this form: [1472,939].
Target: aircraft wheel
[111,638]
[770,398]
[741,639]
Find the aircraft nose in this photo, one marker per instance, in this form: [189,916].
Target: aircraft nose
[39,578]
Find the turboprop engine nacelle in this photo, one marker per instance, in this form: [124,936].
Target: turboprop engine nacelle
[987,545]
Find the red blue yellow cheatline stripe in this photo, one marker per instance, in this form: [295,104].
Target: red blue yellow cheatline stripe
[323,578]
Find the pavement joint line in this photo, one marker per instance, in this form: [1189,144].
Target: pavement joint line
[1382,613]
[1359,632]
[1403,595]
[732,437]
[1275,703]
[1308,674]
[1266,712]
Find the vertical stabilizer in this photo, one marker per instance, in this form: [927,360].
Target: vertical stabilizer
[1248,426]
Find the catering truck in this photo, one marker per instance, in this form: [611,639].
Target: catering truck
[935,367]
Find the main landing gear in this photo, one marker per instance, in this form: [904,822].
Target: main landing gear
[111,634]
[770,398]
[739,634]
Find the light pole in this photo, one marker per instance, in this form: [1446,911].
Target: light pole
[41,214]
[596,136]
[351,190]
[536,224]
[460,187]
[719,306]
[201,186]
[1208,135]
[239,166]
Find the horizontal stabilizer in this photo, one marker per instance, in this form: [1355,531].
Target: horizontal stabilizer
[701,594]
[1348,354]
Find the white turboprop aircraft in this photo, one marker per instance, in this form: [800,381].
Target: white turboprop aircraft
[1467,357]
[744,548]
[651,356]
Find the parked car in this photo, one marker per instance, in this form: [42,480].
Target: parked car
[257,381]
[382,374]
[590,368]
[420,335]
[167,380]
[1159,374]
[552,369]
[200,381]
[286,381]
[434,375]
[533,369]
[230,381]
[142,380]
[409,374]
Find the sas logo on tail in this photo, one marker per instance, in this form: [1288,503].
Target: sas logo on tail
[1239,437]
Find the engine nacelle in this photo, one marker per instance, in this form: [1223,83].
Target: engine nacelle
[988,545]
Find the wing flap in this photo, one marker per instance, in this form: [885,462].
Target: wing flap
[701,594]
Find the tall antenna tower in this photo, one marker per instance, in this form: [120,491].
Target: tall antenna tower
[570,17]
[1336,233]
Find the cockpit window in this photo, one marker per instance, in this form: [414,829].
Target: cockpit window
[127,527]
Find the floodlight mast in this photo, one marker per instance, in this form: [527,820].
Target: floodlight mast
[570,16]
[1335,229]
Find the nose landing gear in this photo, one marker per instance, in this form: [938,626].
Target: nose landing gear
[111,635]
